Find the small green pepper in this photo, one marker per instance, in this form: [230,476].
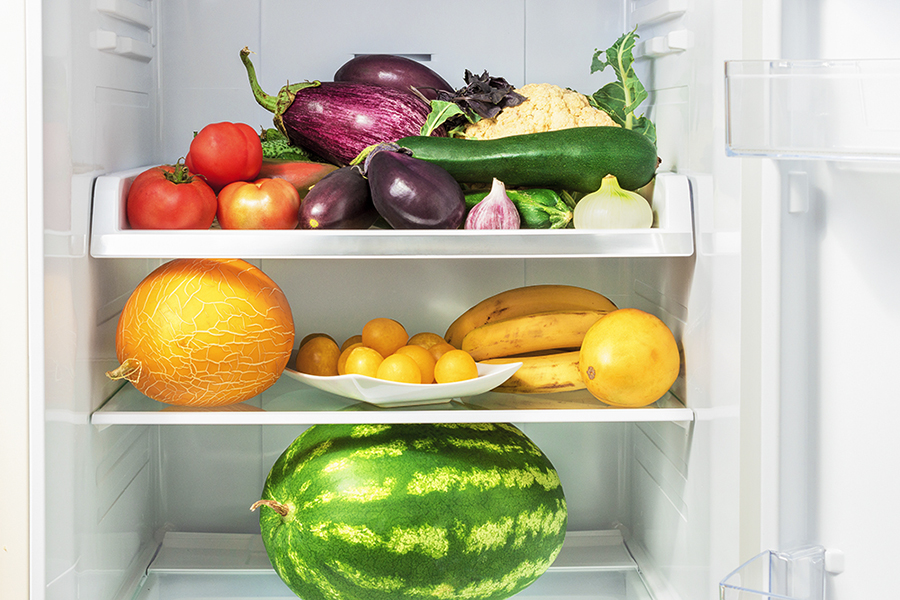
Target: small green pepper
[538,208]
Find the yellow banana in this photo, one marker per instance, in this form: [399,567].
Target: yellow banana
[530,333]
[545,374]
[525,300]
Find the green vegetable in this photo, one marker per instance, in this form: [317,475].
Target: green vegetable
[575,159]
[621,98]
[441,111]
[538,208]
[412,511]
[276,145]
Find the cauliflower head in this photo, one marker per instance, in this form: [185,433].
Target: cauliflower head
[548,107]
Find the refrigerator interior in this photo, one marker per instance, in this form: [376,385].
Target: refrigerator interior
[152,503]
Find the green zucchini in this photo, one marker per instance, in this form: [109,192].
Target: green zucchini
[538,208]
[575,159]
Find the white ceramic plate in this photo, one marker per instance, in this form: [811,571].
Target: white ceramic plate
[387,393]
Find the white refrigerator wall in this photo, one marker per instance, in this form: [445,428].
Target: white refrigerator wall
[125,85]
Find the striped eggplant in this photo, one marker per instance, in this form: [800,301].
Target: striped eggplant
[387,512]
[338,120]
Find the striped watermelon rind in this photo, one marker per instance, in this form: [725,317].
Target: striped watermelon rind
[426,511]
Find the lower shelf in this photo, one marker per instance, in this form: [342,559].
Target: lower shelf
[593,564]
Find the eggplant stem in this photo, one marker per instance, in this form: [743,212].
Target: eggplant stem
[265,100]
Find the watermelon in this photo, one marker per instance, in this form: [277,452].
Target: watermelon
[425,511]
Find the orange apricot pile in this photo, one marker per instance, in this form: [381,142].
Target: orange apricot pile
[385,350]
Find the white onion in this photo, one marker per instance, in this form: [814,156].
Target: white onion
[612,207]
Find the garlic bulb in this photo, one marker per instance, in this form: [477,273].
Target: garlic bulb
[495,211]
[612,207]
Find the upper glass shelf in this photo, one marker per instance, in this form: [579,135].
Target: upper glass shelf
[671,235]
[813,109]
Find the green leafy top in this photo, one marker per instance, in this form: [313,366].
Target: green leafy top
[483,97]
[620,98]
[277,145]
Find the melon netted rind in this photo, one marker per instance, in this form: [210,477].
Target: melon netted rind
[205,332]
[383,512]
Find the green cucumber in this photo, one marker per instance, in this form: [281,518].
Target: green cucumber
[538,208]
[575,159]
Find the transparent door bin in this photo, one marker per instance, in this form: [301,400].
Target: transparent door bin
[813,109]
[793,575]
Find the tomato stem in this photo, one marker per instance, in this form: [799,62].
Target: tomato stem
[179,173]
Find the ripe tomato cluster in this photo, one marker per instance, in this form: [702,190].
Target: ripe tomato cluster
[218,179]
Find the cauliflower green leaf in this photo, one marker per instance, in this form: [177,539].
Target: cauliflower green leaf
[620,98]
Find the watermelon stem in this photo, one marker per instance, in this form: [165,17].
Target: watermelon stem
[278,507]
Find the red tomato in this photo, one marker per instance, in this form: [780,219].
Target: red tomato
[224,153]
[170,197]
[262,204]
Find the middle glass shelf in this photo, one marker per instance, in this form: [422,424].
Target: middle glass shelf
[289,402]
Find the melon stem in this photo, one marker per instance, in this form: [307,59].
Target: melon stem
[130,370]
[278,507]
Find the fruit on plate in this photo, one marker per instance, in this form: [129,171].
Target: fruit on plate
[629,358]
[426,339]
[423,359]
[542,374]
[526,300]
[204,332]
[318,356]
[399,368]
[385,350]
[455,365]
[393,511]
[384,335]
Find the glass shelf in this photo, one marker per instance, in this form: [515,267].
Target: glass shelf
[813,109]
[671,235]
[289,402]
[212,566]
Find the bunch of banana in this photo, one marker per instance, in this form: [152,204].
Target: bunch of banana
[541,326]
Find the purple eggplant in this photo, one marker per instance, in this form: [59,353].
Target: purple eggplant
[340,200]
[393,71]
[338,120]
[410,193]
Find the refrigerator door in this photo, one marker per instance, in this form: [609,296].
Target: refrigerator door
[823,120]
